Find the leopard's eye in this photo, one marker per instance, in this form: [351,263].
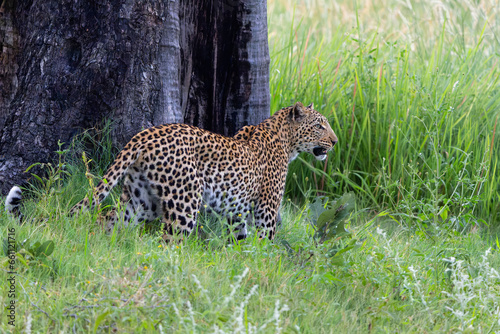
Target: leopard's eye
[319,126]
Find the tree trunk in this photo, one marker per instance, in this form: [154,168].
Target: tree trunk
[67,65]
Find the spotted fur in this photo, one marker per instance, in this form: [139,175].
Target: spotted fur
[172,170]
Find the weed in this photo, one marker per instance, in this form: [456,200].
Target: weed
[55,174]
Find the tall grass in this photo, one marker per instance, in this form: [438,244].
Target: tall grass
[412,90]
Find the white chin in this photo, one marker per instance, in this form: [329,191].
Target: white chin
[292,156]
[321,157]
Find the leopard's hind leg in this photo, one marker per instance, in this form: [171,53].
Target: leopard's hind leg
[180,205]
[142,205]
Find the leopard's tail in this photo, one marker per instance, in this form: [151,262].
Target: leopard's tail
[13,202]
[126,158]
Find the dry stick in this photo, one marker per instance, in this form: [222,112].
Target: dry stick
[322,183]
[316,184]
[318,187]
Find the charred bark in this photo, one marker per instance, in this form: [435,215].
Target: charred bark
[227,68]
[67,65]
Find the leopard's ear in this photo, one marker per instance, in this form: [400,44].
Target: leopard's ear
[311,106]
[298,112]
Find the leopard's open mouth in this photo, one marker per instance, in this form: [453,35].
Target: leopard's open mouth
[319,151]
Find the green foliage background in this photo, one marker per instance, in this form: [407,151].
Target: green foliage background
[412,90]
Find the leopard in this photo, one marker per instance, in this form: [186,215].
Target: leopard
[172,171]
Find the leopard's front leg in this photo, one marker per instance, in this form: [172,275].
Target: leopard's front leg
[266,217]
[267,205]
[266,211]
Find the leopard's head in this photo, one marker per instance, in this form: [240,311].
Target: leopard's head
[309,132]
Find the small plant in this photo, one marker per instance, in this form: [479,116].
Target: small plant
[97,145]
[473,292]
[329,218]
[53,180]
[31,253]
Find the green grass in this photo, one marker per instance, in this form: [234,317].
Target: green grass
[396,280]
[412,91]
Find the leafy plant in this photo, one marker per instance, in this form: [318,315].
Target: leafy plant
[329,218]
[52,181]
[31,253]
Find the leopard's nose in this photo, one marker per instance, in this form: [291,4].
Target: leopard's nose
[334,140]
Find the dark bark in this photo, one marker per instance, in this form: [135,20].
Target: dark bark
[9,46]
[227,68]
[69,64]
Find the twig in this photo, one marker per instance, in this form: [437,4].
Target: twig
[322,183]
[35,305]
